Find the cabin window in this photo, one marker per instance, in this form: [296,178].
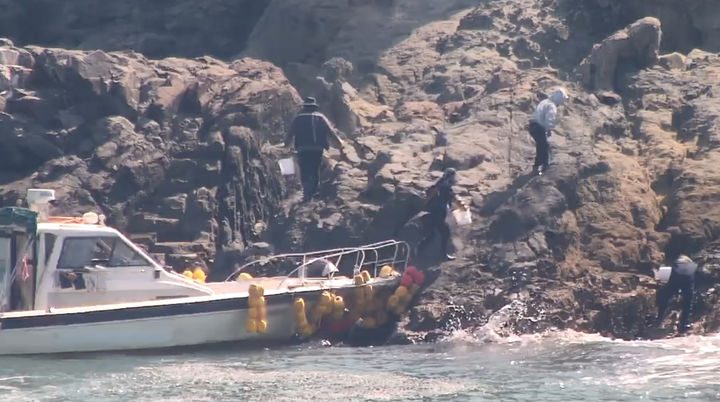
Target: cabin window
[108,251]
[124,256]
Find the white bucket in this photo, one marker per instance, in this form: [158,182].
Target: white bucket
[287,166]
[462,217]
[663,274]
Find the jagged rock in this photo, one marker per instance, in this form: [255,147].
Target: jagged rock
[419,110]
[477,19]
[153,136]
[672,61]
[337,69]
[33,107]
[12,56]
[608,98]
[639,43]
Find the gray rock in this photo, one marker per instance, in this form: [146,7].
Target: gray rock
[673,61]
[639,42]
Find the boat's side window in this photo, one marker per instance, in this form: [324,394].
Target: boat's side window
[124,256]
[108,251]
[79,252]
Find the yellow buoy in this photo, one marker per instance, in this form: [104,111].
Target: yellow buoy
[393,302]
[369,292]
[326,299]
[306,331]
[338,303]
[256,290]
[262,312]
[386,271]
[261,326]
[244,276]
[199,275]
[299,305]
[359,280]
[251,325]
[359,296]
[365,276]
[401,292]
[315,317]
[256,301]
[253,314]
[188,274]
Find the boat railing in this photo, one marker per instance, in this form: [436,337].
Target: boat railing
[376,255]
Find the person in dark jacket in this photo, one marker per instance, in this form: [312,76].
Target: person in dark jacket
[440,198]
[311,133]
[682,279]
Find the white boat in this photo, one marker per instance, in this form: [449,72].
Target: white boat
[76,285]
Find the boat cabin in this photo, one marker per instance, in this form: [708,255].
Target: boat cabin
[53,262]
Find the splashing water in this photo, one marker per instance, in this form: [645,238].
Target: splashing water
[500,326]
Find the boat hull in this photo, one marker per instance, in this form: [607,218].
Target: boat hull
[143,327]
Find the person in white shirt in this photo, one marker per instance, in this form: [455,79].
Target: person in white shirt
[542,122]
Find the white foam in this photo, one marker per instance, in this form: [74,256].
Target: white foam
[676,363]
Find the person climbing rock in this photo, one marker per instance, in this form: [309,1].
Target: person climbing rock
[312,134]
[542,122]
[440,197]
[682,279]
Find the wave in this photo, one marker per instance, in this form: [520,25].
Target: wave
[499,329]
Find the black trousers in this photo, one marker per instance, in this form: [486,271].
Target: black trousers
[309,162]
[677,283]
[542,147]
[434,224]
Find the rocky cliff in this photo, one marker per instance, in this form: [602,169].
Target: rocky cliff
[181,150]
[169,150]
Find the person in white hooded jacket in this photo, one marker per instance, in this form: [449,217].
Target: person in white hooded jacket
[542,122]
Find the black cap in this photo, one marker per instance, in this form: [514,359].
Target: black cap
[310,101]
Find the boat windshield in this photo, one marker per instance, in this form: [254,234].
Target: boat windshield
[108,251]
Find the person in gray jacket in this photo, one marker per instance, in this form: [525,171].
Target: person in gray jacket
[542,122]
[311,133]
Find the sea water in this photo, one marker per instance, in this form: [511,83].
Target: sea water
[482,365]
